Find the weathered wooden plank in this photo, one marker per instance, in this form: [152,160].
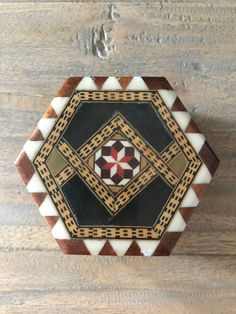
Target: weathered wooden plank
[160,2]
[193,43]
[182,41]
[118,302]
[51,282]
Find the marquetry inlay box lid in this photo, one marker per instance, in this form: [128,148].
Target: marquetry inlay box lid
[116,166]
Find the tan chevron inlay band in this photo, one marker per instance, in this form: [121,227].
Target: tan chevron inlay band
[170,152]
[62,177]
[152,156]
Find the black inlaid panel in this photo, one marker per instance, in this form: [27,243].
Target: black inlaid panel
[143,210]
[84,205]
[91,116]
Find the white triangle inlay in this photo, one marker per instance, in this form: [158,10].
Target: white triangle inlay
[35,185]
[120,246]
[94,246]
[59,103]
[177,223]
[59,230]
[111,84]
[190,199]
[148,247]
[137,83]
[183,118]
[45,125]
[203,176]
[47,208]
[31,148]
[168,96]
[197,140]
[87,83]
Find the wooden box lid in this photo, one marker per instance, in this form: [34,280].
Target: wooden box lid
[116,166]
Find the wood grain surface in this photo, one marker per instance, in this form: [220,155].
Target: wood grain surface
[193,44]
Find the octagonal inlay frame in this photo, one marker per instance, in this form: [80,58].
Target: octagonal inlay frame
[148,213]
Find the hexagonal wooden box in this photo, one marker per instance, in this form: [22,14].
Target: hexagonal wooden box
[116,166]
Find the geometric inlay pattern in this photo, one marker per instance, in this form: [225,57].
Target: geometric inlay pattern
[116,166]
[117,162]
[115,218]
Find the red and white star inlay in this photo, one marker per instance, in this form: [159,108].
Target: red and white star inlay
[117,162]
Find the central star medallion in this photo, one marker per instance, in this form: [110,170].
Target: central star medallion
[117,162]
